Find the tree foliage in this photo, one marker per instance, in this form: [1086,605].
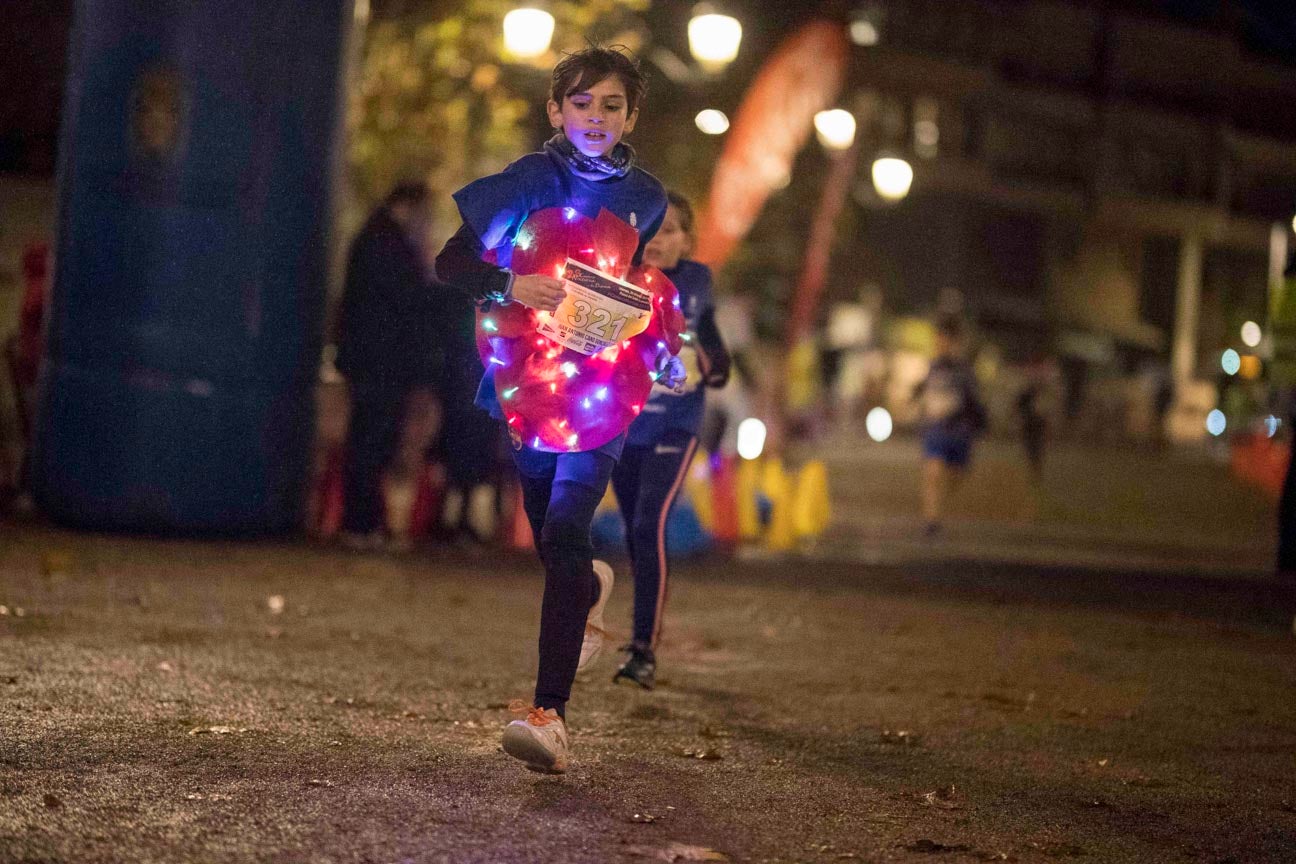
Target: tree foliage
[435,97]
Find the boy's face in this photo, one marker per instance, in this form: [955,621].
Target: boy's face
[669,244]
[595,119]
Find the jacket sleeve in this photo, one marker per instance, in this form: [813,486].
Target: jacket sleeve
[460,265]
[711,346]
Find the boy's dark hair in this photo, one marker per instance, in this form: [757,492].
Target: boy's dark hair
[685,209]
[578,72]
[413,192]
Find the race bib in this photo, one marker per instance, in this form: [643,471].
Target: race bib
[598,311]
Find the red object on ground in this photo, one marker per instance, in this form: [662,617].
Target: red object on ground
[724,502]
[802,78]
[428,500]
[1260,461]
[326,509]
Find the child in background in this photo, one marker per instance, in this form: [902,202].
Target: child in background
[952,417]
[662,440]
[594,101]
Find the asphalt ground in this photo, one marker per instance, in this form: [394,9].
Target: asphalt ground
[192,701]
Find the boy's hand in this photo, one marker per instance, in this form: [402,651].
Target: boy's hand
[539,292]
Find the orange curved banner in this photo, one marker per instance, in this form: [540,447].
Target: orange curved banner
[802,78]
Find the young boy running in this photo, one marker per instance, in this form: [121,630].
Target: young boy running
[594,102]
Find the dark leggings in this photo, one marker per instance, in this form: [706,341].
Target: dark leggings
[647,481]
[560,492]
[377,409]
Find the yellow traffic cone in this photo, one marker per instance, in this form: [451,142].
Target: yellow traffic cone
[747,486]
[811,508]
[780,536]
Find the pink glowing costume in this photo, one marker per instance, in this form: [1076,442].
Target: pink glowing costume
[555,398]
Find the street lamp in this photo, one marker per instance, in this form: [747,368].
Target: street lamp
[713,38]
[712,122]
[835,128]
[528,32]
[892,177]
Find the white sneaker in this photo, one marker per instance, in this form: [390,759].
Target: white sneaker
[595,635]
[540,741]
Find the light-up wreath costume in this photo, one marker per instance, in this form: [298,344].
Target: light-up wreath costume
[555,398]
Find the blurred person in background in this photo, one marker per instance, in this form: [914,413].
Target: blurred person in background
[1031,414]
[389,351]
[23,354]
[951,417]
[470,438]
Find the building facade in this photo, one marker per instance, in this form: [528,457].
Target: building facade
[1098,183]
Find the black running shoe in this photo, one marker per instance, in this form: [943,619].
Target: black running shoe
[640,667]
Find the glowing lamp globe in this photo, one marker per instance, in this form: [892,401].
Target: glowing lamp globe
[714,39]
[712,122]
[892,177]
[835,128]
[528,32]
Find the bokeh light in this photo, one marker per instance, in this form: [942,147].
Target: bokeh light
[751,438]
[528,32]
[864,33]
[714,39]
[835,128]
[878,424]
[1251,334]
[1271,425]
[1230,362]
[712,122]
[1216,422]
[892,177]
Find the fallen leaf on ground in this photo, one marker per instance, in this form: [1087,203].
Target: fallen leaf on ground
[51,801]
[943,798]
[165,666]
[275,603]
[677,852]
[931,847]
[706,754]
[216,730]
[1102,763]
[643,818]
[900,736]
[1145,782]
[327,784]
